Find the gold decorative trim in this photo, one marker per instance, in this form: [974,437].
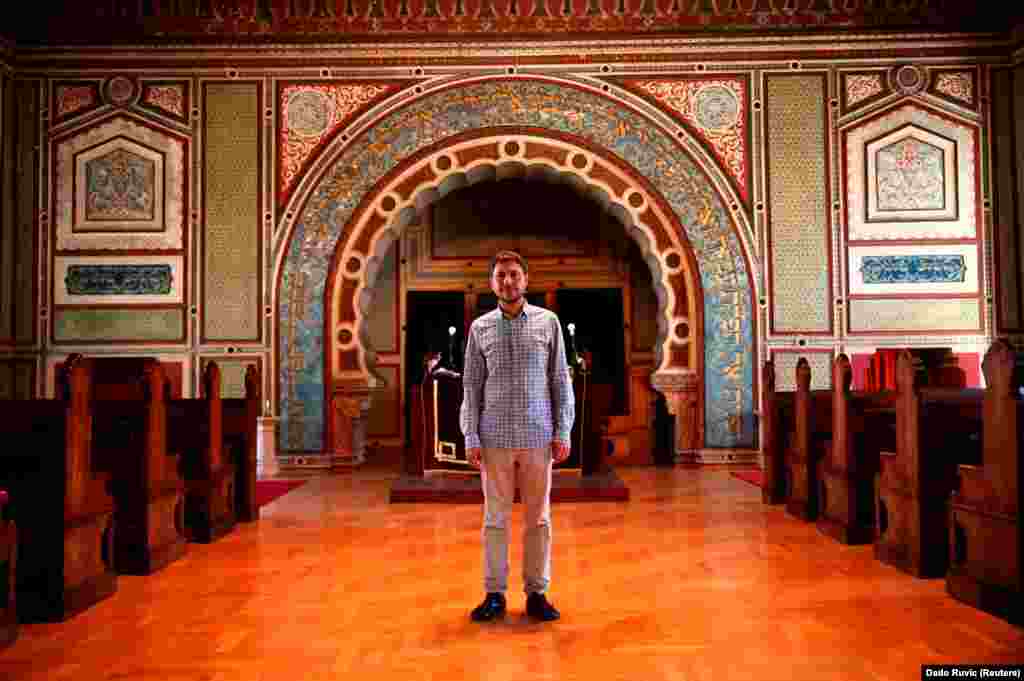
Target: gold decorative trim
[696,47]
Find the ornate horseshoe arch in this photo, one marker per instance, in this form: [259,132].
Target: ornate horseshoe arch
[477,129]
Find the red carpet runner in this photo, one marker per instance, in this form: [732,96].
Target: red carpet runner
[268,490]
[754,477]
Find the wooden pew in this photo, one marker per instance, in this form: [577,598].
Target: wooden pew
[130,441]
[985,529]
[61,504]
[195,437]
[809,443]
[240,421]
[777,426]
[863,423]
[937,428]
[8,558]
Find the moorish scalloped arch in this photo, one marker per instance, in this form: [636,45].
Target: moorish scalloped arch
[678,215]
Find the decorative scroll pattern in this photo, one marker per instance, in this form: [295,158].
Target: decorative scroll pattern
[913,269]
[309,114]
[166,98]
[911,176]
[121,280]
[71,99]
[861,86]
[565,111]
[142,280]
[717,110]
[120,186]
[77,22]
[957,85]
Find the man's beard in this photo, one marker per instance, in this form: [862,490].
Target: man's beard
[511,301]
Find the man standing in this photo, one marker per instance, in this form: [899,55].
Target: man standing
[517,407]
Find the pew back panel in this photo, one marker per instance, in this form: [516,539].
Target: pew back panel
[809,442]
[60,503]
[863,424]
[239,423]
[777,425]
[196,438]
[130,401]
[937,429]
[985,530]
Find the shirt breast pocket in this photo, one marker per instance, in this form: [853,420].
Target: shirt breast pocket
[488,342]
[539,350]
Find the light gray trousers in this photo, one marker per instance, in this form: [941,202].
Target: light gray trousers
[498,472]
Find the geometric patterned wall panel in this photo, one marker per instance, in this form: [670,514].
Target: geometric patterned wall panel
[798,204]
[910,174]
[915,315]
[120,185]
[785,362]
[309,116]
[716,109]
[231,237]
[118,325]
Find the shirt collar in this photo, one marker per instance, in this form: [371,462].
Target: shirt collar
[526,311]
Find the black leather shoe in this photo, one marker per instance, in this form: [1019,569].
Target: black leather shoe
[537,606]
[492,608]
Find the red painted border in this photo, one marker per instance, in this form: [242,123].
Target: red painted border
[770,279]
[260,201]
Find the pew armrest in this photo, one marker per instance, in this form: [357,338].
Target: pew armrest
[975,490]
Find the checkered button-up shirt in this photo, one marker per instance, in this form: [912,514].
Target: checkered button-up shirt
[515,380]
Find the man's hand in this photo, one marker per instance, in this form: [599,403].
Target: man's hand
[559,451]
[473,456]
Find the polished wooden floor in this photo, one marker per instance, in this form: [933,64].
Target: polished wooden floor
[692,579]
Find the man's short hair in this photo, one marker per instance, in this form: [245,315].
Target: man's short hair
[508,256]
